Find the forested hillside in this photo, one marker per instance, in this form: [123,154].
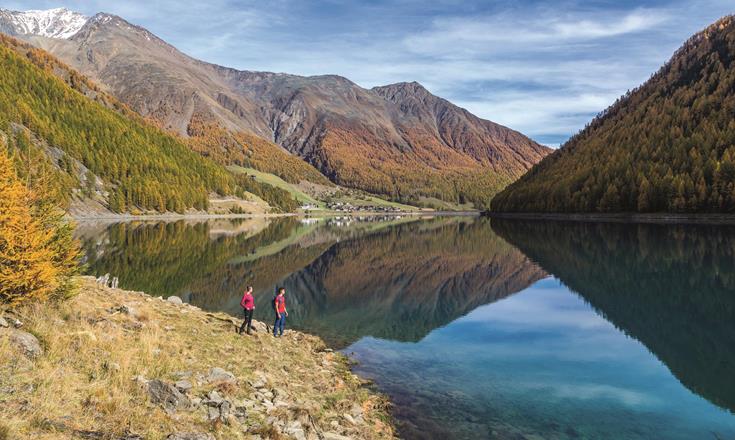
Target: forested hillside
[245,149]
[59,124]
[668,146]
[398,141]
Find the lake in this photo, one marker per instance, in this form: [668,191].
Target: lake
[478,328]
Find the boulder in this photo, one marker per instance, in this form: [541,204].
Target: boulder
[174,300]
[4,323]
[26,342]
[217,374]
[167,396]
[190,436]
[183,385]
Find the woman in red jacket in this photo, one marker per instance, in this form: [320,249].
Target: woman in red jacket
[248,305]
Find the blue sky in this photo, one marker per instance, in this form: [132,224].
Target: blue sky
[544,68]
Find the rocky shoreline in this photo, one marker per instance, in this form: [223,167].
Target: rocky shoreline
[115,364]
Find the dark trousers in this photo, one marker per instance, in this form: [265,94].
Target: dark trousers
[248,322]
[279,324]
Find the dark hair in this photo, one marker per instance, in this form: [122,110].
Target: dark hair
[249,288]
[281,289]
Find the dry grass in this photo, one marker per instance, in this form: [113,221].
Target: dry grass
[84,381]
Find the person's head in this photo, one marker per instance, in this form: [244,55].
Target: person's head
[281,290]
[249,289]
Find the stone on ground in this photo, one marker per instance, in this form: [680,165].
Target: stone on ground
[167,395]
[174,300]
[25,342]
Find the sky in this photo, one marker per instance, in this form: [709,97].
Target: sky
[543,68]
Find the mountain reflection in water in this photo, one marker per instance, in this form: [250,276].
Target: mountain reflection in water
[345,279]
[476,328]
[672,287]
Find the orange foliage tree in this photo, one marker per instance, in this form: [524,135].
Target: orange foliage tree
[38,255]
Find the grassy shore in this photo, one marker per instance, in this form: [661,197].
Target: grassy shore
[116,364]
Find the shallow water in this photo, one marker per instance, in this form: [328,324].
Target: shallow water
[508,330]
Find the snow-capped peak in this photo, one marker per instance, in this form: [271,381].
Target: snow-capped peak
[53,23]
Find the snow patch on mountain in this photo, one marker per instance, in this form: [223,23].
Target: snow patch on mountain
[52,23]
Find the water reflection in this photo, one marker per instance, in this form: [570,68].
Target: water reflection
[346,279]
[458,320]
[670,287]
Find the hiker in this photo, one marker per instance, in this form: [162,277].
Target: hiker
[248,305]
[279,305]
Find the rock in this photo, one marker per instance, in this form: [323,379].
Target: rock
[258,383]
[212,413]
[333,436]
[215,398]
[240,414]
[183,385]
[356,410]
[349,418]
[26,342]
[167,395]
[295,430]
[4,323]
[219,375]
[195,401]
[174,300]
[218,408]
[128,310]
[17,323]
[113,366]
[190,436]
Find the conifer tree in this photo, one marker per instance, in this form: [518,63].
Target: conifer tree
[37,253]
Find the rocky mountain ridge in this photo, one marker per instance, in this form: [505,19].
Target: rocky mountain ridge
[52,23]
[399,140]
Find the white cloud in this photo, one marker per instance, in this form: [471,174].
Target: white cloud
[457,37]
[544,70]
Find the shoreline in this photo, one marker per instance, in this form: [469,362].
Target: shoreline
[652,218]
[114,218]
[139,366]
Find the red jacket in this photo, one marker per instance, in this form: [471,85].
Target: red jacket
[247,302]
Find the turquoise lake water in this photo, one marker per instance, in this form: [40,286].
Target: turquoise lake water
[480,329]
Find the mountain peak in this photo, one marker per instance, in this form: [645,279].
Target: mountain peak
[403,90]
[59,23]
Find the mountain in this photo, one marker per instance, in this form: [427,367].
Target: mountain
[399,140]
[667,146]
[52,23]
[61,127]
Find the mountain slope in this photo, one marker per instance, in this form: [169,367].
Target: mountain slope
[65,127]
[668,146]
[397,140]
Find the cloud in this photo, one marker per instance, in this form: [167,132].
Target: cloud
[504,32]
[539,67]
